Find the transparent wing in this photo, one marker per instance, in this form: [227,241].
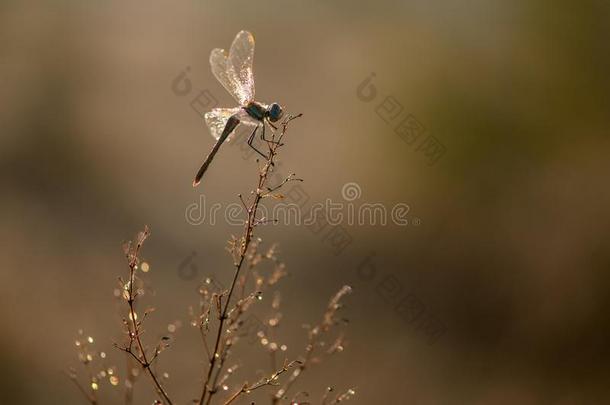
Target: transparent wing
[241,57]
[216,119]
[234,70]
[219,64]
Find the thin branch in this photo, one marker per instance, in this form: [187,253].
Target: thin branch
[133,327]
[286,180]
[90,397]
[208,391]
[271,380]
[328,320]
[348,394]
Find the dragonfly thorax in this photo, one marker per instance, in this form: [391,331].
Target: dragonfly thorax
[259,111]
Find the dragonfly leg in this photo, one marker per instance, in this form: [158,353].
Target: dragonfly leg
[251,138]
[263,134]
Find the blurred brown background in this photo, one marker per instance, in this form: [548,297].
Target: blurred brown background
[511,253]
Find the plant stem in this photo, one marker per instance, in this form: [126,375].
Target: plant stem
[265,381]
[260,193]
[133,327]
[136,336]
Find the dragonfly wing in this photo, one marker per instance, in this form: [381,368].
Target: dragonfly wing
[219,62]
[234,69]
[222,123]
[241,58]
[216,120]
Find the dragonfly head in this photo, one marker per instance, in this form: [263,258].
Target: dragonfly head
[274,112]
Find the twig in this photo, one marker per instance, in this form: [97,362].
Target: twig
[86,357]
[129,381]
[272,380]
[90,397]
[246,238]
[133,327]
[286,180]
[344,396]
[314,335]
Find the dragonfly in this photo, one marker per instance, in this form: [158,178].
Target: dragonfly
[234,71]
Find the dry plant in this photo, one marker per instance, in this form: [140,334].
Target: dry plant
[221,318]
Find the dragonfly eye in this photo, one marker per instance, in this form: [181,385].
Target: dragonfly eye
[274,112]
